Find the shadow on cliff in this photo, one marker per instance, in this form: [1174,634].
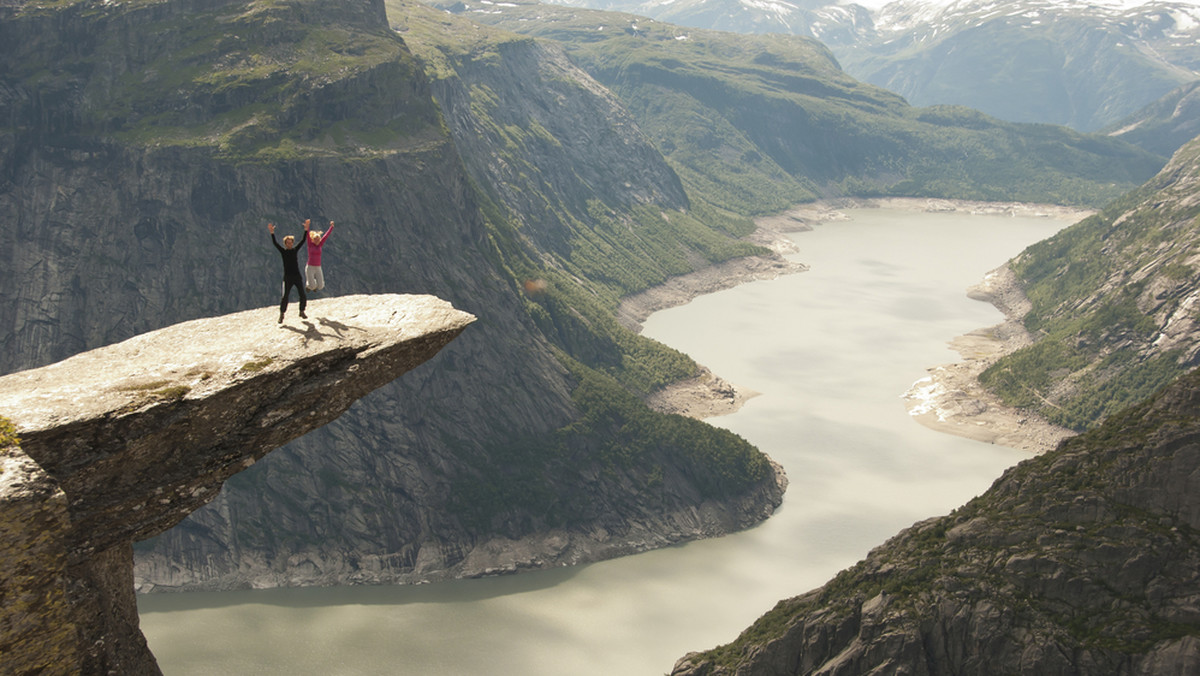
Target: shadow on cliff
[336,330]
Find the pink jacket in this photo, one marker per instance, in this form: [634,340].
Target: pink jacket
[314,250]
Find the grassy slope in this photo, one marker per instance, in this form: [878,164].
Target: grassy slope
[762,120]
[249,80]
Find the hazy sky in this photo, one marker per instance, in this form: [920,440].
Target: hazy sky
[875,4]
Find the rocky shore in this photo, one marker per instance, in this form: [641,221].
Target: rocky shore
[949,400]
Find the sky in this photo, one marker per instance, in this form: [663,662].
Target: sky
[876,4]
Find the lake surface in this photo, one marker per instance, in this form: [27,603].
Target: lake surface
[831,351]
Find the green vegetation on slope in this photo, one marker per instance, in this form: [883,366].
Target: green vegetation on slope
[1103,294]
[574,249]
[1037,567]
[8,433]
[759,121]
[626,441]
[574,307]
[250,80]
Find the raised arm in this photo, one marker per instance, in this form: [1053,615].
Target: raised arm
[327,231]
[271,229]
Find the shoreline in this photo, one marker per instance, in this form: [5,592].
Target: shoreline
[950,399]
[707,395]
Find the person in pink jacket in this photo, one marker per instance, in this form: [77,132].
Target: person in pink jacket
[313,276]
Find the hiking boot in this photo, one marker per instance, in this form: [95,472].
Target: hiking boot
[303,316]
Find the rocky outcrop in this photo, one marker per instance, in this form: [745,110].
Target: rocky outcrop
[1080,561]
[122,442]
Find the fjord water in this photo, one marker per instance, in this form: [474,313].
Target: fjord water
[830,351]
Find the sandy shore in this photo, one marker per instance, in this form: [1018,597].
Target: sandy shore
[949,400]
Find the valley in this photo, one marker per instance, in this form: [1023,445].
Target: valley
[829,409]
[645,219]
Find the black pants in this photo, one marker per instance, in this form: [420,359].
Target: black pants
[288,283]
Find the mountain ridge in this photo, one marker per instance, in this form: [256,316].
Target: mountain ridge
[779,121]
[1084,65]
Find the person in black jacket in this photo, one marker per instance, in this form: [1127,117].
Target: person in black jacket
[291,270]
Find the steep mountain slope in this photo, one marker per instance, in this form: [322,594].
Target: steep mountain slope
[812,18]
[560,154]
[1080,561]
[1077,64]
[1165,125]
[1081,64]
[146,145]
[762,120]
[1113,303]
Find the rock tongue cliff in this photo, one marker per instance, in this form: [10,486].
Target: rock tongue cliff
[146,145]
[1080,561]
[122,442]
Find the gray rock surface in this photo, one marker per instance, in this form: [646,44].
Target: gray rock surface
[122,442]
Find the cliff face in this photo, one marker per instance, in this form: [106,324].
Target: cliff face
[1080,561]
[537,131]
[147,144]
[122,442]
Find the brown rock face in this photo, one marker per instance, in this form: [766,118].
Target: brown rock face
[121,443]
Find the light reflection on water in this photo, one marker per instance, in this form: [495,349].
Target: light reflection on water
[830,350]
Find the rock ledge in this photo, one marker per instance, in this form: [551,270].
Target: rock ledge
[121,443]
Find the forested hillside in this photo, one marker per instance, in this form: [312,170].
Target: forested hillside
[759,121]
[1114,300]
[1165,125]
